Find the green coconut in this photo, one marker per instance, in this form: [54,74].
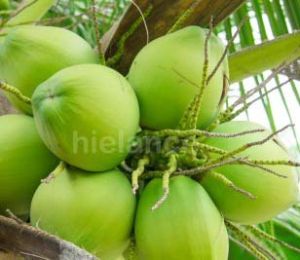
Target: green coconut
[4,4]
[87,115]
[31,54]
[167,74]
[186,226]
[273,194]
[24,161]
[95,211]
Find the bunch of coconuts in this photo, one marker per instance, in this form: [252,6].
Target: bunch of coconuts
[86,130]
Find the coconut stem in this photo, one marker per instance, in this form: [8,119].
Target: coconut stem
[54,173]
[198,163]
[276,162]
[197,171]
[190,116]
[197,132]
[265,169]
[222,118]
[247,146]
[236,160]
[17,93]
[172,166]
[228,183]
[208,167]
[193,117]
[138,172]
[210,149]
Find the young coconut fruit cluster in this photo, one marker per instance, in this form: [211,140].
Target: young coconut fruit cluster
[89,115]
[238,168]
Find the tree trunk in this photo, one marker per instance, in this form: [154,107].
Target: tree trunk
[31,243]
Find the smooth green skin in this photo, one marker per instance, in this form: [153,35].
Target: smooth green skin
[165,72]
[186,226]
[95,211]
[24,161]
[87,115]
[4,4]
[31,54]
[274,194]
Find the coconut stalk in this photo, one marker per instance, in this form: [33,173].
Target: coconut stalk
[22,240]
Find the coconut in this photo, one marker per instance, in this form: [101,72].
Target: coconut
[95,211]
[186,226]
[24,161]
[167,74]
[31,54]
[273,194]
[87,115]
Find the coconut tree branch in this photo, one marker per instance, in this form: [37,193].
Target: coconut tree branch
[28,241]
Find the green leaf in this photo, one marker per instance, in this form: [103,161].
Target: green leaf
[236,251]
[268,55]
[31,11]
[287,228]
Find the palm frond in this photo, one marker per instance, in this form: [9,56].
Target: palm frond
[267,20]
